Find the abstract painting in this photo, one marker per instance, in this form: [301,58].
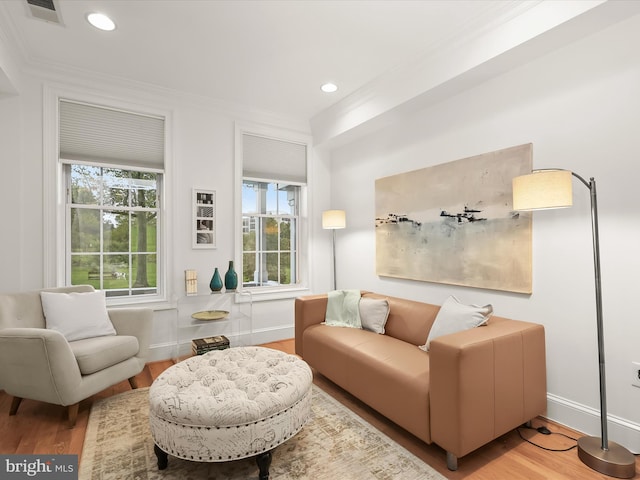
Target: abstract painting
[454,223]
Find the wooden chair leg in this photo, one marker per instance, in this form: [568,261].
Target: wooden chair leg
[15,403]
[73,414]
[133,382]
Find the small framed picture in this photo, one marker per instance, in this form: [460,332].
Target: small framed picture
[204,219]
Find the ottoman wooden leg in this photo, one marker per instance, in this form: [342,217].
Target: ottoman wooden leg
[264,462]
[15,403]
[163,458]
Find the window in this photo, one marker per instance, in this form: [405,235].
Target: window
[112,164]
[271,209]
[270,218]
[112,229]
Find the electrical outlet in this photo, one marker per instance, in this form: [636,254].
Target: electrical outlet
[636,374]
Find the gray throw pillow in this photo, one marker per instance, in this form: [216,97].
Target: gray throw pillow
[455,317]
[374,313]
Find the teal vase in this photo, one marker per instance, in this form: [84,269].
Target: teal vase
[231,278]
[216,281]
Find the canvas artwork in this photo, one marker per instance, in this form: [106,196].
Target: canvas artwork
[454,223]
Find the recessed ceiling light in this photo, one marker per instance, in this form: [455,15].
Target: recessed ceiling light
[101,21]
[329,87]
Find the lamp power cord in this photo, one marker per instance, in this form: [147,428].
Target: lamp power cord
[545,431]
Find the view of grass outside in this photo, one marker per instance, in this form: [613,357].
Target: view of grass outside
[269,233]
[274,261]
[113,230]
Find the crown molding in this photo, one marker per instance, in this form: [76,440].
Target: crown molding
[513,39]
[9,62]
[23,64]
[72,76]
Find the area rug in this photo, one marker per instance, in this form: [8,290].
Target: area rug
[334,444]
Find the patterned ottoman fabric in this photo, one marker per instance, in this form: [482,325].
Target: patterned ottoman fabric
[229,404]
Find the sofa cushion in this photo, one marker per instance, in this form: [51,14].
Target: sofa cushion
[378,369]
[409,320]
[455,316]
[98,353]
[77,315]
[374,313]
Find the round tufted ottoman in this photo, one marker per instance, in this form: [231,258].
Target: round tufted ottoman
[229,404]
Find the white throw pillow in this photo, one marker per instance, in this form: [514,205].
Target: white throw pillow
[77,315]
[455,317]
[374,313]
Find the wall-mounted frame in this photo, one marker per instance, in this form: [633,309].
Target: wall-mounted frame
[203,228]
[454,223]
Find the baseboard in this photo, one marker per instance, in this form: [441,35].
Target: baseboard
[273,334]
[587,420]
[164,351]
[161,351]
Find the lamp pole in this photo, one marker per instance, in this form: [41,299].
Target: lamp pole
[591,185]
[333,231]
[602,455]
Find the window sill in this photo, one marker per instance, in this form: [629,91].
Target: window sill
[268,294]
[155,304]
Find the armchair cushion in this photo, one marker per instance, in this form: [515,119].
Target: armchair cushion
[77,315]
[98,353]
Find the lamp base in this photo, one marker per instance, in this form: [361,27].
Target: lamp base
[617,461]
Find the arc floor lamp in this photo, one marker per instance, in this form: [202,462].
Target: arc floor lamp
[552,188]
[334,220]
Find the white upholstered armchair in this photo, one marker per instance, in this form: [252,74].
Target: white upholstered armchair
[39,363]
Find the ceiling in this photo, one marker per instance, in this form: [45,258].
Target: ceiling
[264,55]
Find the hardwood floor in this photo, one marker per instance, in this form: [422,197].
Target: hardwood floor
[39,428]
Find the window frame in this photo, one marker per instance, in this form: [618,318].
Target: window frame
[260,218]
[101,207]
[260,293]
[54,195]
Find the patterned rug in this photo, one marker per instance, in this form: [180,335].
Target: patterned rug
[334,444]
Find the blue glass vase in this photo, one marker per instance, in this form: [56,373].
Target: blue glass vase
[216,281]
[231,278]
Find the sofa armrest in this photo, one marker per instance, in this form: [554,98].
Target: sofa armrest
[309,310]
[38,363]
[136,322]
[485,382]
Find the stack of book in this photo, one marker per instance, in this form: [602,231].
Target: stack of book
[204,345]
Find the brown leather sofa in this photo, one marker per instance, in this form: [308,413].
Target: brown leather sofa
[470,388]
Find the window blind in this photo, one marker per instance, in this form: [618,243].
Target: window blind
[104,135]
[269,159]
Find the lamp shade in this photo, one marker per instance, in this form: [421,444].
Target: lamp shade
[334,219]
[543,189]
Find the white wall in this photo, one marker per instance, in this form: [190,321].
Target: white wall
[580,108]
[10,119]
[9,73]
[202,148]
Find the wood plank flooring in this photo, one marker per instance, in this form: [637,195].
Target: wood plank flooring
[39,428]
